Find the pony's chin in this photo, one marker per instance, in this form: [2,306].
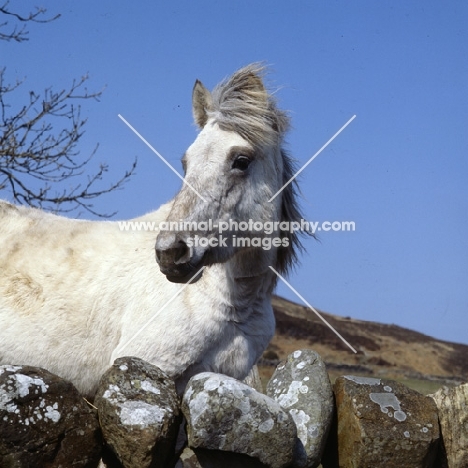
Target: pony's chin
[193,277]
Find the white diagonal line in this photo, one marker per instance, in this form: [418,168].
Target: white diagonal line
[312,158]
[159,155]
[122,347]
[313,310]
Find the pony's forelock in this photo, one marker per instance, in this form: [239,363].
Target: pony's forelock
[243,105]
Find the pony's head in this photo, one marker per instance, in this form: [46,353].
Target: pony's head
[232,170]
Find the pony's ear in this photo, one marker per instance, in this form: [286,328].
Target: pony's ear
[201,104]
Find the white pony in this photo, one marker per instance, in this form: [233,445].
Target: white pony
[75,295]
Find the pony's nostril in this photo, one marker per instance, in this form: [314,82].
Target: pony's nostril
[182,253]
[178,254]
[162,256]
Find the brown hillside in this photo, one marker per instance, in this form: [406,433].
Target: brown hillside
[382,350]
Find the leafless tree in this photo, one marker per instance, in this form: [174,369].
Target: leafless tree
[18,32]
[35,157]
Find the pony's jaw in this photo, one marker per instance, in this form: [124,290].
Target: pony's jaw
[191,278]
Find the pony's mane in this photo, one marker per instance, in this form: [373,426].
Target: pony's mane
[242,104]
[288,256]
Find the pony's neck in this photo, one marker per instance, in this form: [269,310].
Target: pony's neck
[239,298]
[250,275]
[252,263]
[243,278]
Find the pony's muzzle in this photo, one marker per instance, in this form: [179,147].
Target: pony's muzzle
[176,259]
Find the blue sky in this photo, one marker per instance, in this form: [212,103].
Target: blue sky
[399,171]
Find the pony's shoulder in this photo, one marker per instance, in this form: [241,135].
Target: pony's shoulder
[158,215]
[6,208]
[10,210]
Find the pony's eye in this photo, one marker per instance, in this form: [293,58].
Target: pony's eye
[241,162]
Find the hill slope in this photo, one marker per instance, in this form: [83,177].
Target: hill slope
[382,350]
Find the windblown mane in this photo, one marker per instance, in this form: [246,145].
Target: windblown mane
[242,104]
[287,256]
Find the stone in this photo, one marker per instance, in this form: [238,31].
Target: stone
[139,413]
[452,404]
[44,421]
[302,387]
[202,458]
[384,423]
[225,414]
[253,379]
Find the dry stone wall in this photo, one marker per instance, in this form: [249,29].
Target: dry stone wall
[138,420]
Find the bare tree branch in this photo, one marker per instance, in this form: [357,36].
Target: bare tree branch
[19,33]
[37,161]
[30,149]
